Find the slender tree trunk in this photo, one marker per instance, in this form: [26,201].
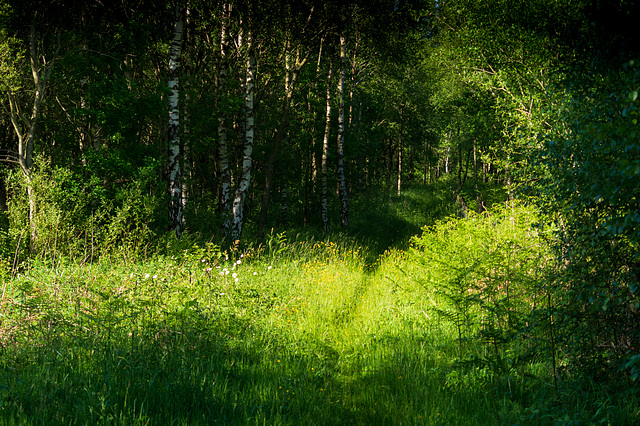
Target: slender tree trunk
[284,204]
[176,207]
[314,162]
[25,127]
[459,167]
[427,164]
[479,203]
[446,159]
[186,165]
[462,175]
[245,179]
[353,82]
[342,184]
[310,185]
[400,161]
[324,209]
[224,202]
[83,126]
[400,150]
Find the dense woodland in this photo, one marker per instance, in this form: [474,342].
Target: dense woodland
[208,118]
[132,127]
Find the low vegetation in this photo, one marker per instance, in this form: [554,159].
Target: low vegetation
[451,329]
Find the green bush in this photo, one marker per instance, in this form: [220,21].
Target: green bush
[79,216]
[591,164]
[486,272]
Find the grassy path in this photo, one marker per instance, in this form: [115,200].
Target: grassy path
[179,341]
[297,332]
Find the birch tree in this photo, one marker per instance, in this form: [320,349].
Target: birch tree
[176,202]
[245,179]
[324,208]
[24,124]
[400,148]
[223,156]
[342,184]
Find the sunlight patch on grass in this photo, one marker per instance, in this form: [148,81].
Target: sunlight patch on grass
[301,332]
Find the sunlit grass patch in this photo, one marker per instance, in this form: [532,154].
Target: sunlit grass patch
[300,332]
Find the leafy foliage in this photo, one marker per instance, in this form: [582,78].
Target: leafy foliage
[484,271]
[84,218]
[589,187]
[477,323]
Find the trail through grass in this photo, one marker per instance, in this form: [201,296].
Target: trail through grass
[180,341]
[299,331]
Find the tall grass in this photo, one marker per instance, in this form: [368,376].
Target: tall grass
[295,331]
[308,337]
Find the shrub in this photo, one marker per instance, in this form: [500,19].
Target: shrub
[485,272]
[591,164]
[83,216]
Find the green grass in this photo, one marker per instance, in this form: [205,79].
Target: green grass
[318,341]
[312,332]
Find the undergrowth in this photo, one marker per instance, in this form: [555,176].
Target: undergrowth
[294,331]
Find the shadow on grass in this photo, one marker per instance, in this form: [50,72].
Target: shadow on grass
[212,366]
[382,221]
[221,369]
[227,373]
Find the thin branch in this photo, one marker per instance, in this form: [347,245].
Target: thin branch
[15,114]
[9,156]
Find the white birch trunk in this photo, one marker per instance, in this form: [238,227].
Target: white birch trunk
[342,184]
[314,163]
[325,151]
[176,207]
[446,160]
[186,169]
[245,180]
[223,156]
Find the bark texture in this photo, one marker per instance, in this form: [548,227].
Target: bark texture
[324,208]
[245,180]
[176,203]
[342,183]
[223,156]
